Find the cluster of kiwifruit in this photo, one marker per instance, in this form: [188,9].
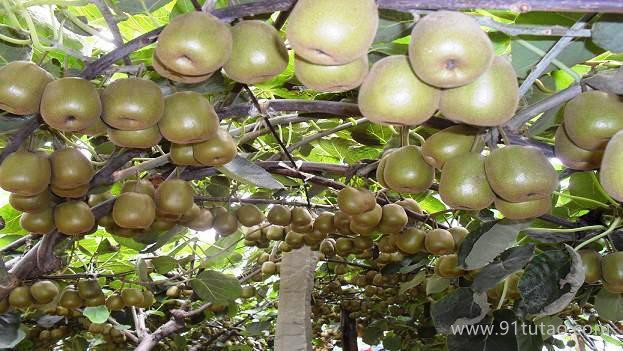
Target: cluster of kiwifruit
[518,179]
[133,112]
[607,269]
[48,296]
[37,183]
[591,137]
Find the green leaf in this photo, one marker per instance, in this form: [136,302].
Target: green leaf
[462,306]
[611,340]
[581,184]
[609,305]
[393,25]
[549,326]
[11,220]
[550,281]
[164,264]
[105,247]
[484,244]
[509,262]
[419,278]
[216,287]
[221,250]
[140,6]
[392,342]
[12,52]
[248,172]
[436,284]
[96,314]
[608,32]
[11,123]
[372,335]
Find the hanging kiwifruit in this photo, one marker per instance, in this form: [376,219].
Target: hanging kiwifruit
[134,210]
[463,184]
[225,224]
[132,297]
[70,299]
[249,215]
[21,86]
[394,219]
[331,79]
[135,139]
[44,291]
[188,118]
[70,169]
[183,155]
[174,197]
[70,104]
[217,151]
[301,217]
[34,203]
[40,222]
[115,302]
[204,221]
[451,142]
[73,218]
[324,223]
[410,241]
[142,186]
[406,170]
[71,193]
[353,201]
[279,215]
[439,242]
[132,104]
[25,173]
[20,297]
[573,156]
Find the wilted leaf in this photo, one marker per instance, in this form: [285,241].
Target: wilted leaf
[248,172]
[462,306]
[509,262]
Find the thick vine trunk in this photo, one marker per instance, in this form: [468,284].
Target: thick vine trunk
[293,332]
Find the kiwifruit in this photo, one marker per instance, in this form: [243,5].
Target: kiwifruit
[73,218]
[410,204]
[96,199]
[249,215]
[134,210]
[135,139]
[20,297]
[70,193]
[324,223]
[98,128]
[40,222]
[394,218]
[458,233]
[4,305]
[592,265]
[115,302]
[268,268]
[25,173]
[612,271]
[451,142]
[191,214]
[70,168]
[592,118]
[331,79]
[279,215]
[21,86]
[449,49]
[406,171]
[520,173]
[448,266]
[70,104]
[524,209]
[167,73]
[360,229]
[300,217]
[353,201]
[194,44]
[44,291]
[573,156]
[89,288]
[132,104]
[362,243]
[248,291]
[217,151]
[341,220]
[387,244]
[182,155]
[132,297]
[610,174]
[344,246]
[174,197]
[274,232]
[392,94]
[258,53]
[410,241]
[188,118]
[439,242]
[70,299]
[368,219]
[141,186]
[463,184]
[332,33]
[327,247]
[34,203]
[148,299]
[98,300]
[204,221]
[225,224]
[294,240]
[490,100]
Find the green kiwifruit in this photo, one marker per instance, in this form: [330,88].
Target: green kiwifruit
[188,118]
[258,53]
[25,173]
[203,222]
[132,104]
[353,201]
[249,215]
[448,266]
[34,203]
[135,139]
[70,169]
[279,215]
[449,49]
[410,241]
[406,171]
[132,297]
[194,44]
[183,155]
[73,218]
[392,94]
[331,79]
[490,100]
[40,222]
[134,210]
[174,197]
[44,291]
[450,142]
[115,302]
[592,118]
[573,156]
[20,297]
[300,217]
[525,209]
[141,186]
[394,218]
[217,151]
[21,86]
[591,260]
[225,224]
[368,219]
[463,184]
[439,242]
[324,223]
[332,33]
[520,173]
[611,173]
[70,104]
[70,299]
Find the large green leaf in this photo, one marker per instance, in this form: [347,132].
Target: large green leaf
[216,287]
[96,314]
[248,172]
[608,32]
[609,305]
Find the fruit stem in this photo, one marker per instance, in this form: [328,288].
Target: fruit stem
[14,41]
[504,136]
[610,229]
[579,198]
[404,136]
[602,191]
[566,230]
[503,296]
